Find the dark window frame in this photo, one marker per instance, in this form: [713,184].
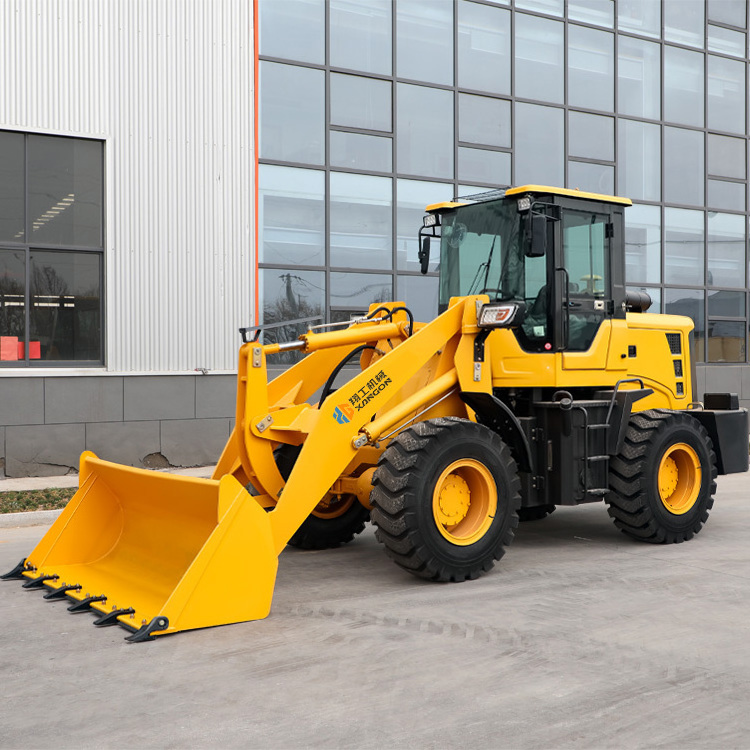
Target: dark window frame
[28,247]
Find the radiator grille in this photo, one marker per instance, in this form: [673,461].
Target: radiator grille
[675,343]
[678,367]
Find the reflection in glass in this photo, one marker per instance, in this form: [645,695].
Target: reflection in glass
[360,221]
[291,215]
[300,20]
[690,303]
[65,305]
[361,35]
[724,304]
[726,338]
[540,145]
[362,152]
[683,248]
[592,178]
[539,58]
[551,7]
[640,17]
[292,113]
[483,48]
[480,165]
[412,197]
[726,195]
[595,12]
[683,86]
[591,136]
[12,303]
[287,295]
[726,41]
[732,12]
[643,244]
[359,102]
[483,120]
[591,68]
[726,251]
[66,188]
[726,156]
[683,166]
[639,78]
[639,160]
[357,291]
[12,187]
[420,294]
[424,40]
[425,131]
[684,22]
[726,94]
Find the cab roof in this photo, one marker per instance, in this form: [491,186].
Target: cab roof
[522,190]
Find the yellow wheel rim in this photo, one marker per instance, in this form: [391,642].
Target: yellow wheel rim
[333,506]
[464,502]
[679,478]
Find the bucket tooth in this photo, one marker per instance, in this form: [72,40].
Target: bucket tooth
[38,583]
[61,593]
[17,572]
[111,617]
[144,633]
[84,604]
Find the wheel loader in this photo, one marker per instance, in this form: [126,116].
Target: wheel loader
[541,382]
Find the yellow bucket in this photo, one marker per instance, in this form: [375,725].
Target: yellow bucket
[157,553]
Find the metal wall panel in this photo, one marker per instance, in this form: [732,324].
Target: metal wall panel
[168,85]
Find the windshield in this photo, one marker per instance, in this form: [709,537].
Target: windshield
[481,252]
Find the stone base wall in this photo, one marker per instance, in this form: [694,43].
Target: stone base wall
[149,421]
[156,421]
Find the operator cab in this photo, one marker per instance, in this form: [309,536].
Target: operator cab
[556,254]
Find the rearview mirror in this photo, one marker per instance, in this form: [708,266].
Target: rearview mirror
[538,245]
[424,255]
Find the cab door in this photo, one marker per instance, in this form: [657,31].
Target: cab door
[585,287]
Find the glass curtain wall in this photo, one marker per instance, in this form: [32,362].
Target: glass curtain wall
[372,109]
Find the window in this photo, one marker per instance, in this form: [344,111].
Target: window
[591,68]
[683,166]
[292,123]
[425,131]
[540,145]
[51,250]
[643,244]
[639,160]
[361,35]
[539,58]
[301,20]
[585,255]
[683,86]
[424,39]
[639,78]
[483,48]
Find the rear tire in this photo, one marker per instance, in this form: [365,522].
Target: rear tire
[445,496]
[662,483]
[333,522]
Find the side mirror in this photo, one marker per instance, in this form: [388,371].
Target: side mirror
[424,255]
[537,248]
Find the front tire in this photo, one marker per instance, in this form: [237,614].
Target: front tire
[445,496]
[662,483]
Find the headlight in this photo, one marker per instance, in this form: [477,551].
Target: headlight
[499,316]
[430,220]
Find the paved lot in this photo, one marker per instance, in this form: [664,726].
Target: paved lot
[580,638]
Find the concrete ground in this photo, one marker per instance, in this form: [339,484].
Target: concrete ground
[579,638]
